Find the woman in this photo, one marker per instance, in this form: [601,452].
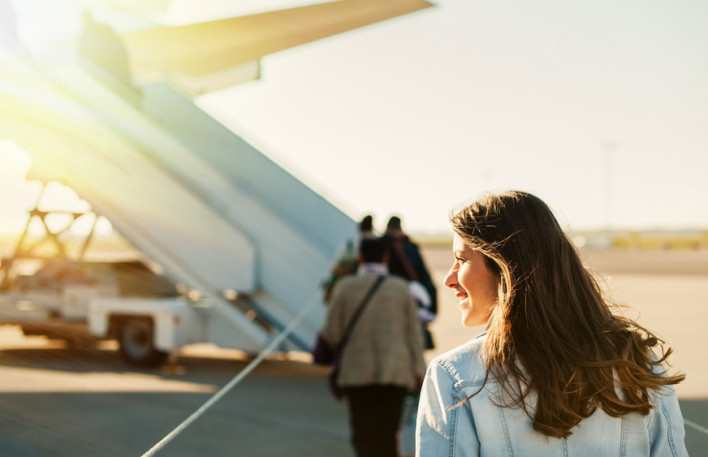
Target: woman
[555,372]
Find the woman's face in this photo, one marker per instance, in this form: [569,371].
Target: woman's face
[476,285]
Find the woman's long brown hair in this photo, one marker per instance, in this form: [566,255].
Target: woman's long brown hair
[553,333]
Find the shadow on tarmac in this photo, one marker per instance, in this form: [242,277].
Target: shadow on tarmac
[281,409]
[696,411]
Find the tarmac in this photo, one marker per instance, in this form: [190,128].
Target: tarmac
[73,402]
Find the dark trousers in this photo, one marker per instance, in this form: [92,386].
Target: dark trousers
[374,415]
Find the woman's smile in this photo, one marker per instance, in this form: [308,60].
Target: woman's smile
[474,283]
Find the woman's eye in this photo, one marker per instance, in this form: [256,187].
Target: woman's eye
[460,260]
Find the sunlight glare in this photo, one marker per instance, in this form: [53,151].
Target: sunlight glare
[19,195]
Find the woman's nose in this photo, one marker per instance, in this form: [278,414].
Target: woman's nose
[451,277]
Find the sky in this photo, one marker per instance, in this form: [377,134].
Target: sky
[600,108]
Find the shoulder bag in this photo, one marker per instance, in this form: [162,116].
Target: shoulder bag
[334,354]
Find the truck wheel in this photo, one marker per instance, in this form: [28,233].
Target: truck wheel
[136,340]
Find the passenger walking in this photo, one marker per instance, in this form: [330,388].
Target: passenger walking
[347,262]
[382,358]
[406,261]
[555,373]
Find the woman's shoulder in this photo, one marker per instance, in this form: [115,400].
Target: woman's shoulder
[465,363]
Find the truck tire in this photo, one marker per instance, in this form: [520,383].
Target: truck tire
[136,342]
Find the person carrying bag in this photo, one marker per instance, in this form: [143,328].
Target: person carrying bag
[325,354]
[372,321]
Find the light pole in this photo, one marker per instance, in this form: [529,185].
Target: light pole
[609,148]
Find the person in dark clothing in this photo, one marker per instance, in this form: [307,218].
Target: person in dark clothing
[406,261]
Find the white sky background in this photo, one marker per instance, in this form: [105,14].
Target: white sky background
[600,108]
[421,113]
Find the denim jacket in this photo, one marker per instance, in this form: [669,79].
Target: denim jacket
[479,428]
